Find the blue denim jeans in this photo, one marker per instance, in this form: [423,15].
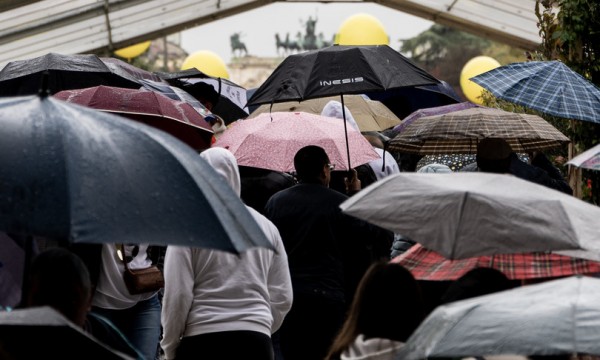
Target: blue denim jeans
[140,324]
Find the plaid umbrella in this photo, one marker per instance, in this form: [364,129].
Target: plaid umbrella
[589,159]
[369,115]
[459,132]
[426,264]
[547,86]
[438,110]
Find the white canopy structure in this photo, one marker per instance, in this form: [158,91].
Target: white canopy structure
[32,28]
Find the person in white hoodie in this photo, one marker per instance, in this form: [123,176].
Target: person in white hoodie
[219,305]
[386,309]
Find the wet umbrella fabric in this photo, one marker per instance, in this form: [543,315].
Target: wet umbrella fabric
[428,265]
[459,132]
[271,140]
[175,117]
[589,159]
[369,115]
[462,215]
[339,69]
[65,72]
[128,71]
[70,172]
[439,110]
[42,332]
[550,87]
[231,97]
[555,317]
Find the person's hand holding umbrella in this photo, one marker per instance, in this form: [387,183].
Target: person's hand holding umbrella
[353,184]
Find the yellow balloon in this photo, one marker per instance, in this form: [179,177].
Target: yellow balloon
[134,50]
[208,62]
[362,29]
[475,66]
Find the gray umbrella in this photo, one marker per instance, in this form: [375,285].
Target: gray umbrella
[43,333]
[75,173]
[552,318]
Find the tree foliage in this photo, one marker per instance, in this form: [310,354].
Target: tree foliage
[570,31]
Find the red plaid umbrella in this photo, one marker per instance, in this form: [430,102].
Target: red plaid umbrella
[426,264]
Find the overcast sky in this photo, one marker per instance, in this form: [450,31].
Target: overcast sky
[258,26]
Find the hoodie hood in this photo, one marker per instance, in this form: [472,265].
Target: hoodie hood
[334,109]
[224,163]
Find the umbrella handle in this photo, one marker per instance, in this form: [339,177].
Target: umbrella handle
[346,133]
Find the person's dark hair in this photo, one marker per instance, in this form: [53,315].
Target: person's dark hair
[493,155]
[388,304]
[203,92]
[477,282]
[309,162]
[58,278]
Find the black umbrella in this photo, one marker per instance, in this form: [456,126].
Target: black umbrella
[66,72]
[43,333]
[70,172]
[339,70]
[228,98]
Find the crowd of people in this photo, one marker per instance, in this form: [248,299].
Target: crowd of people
[326,291]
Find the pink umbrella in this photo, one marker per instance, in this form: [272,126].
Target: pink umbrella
[175,117]
[270,140]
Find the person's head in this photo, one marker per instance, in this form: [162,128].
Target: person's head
[374,139]
[203,92]
[58,278]
[387,304]
[225,164]
[477,282]
[334,109]
[434,169]
[493,155]
[312,165]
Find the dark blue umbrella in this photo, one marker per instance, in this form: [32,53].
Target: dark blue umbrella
[404,101]
[550,87]
[70,172]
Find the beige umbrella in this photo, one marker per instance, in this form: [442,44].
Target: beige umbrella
[369,115]
[459,132]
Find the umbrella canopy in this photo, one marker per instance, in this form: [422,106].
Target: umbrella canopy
[42,332]
[231,97]
[426,264]
[369,115]
[438,110]
[271,140]
[552,318]
[459,132]
[404,101]
[70,172]
[337,70]
[175,93]
[175,117]
[547,86]
[128,71]
[462,215]
[65,72]
[589,159]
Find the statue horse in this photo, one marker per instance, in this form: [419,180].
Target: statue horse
[280,44]
[237,45]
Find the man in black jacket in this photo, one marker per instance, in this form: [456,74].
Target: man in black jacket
[328,253]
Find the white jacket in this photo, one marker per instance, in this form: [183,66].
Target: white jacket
[211,291]
[372,349]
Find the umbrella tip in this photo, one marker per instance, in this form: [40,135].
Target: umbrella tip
[44,91]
